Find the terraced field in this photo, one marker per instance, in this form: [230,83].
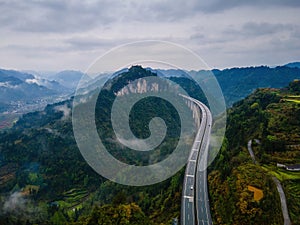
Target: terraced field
[72,200]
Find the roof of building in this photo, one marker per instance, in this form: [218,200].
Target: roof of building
[293,167]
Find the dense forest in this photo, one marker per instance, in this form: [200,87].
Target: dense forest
[45,180]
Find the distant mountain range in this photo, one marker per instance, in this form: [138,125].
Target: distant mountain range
[68,78]
[18,86]
[19,89]
[236,83]
[293,65]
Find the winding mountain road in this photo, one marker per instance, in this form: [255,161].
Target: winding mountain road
[284,208]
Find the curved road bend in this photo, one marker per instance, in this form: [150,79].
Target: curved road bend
[284,208]
[195,207]
[251,151]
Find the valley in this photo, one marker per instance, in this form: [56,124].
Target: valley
[41,167]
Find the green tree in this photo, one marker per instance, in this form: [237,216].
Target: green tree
[58,218]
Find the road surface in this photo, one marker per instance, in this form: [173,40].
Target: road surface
[251,151]
[284,207]
[195,207]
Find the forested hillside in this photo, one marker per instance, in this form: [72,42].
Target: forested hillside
[237,83]
[271,117]
[45,180]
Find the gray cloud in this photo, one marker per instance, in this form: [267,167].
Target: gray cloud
[56,16]
[59,33]
[248,30]
[249,43]
[78,16]
[65,110]
[88,43]
[15,203]
[220,5]
[175,10]
[263,28]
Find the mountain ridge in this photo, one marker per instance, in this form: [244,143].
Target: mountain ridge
[293,64]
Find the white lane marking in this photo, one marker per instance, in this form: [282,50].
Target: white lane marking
[189,175]
[186,196]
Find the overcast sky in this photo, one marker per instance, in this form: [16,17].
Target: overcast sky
[57,35]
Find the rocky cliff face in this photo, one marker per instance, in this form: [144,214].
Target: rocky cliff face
[139,87]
